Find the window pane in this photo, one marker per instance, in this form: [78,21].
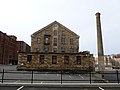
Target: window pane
[54,49]
[46,40]
[29,58]
[37,50]
[71,41]
[54,59]
[62,49]
[46,49]
[71,49]
[66,59]
[55,41]
[41,59]
[46,32]
[38,40]
[78,60]
[55,32]
[63,41]
[63,33]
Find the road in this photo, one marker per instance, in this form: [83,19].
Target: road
[38,88]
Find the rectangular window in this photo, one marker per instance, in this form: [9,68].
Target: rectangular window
[55,41]
[46,40]
[62,49]
[54,49]
[29,58]
[71,41]
[38,40]
[55,32]
[71,50]
[46,32]
[63,33]
[46,49]
[37,50]
[66,59]
[63,41]
[41,59]
[78,60]
[54,59]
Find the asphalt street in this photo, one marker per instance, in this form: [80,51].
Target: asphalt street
[38,88]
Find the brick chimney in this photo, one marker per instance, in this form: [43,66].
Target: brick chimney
[101,65]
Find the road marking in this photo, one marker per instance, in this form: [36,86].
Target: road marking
[101,88]
[81,76]
[70,77]
[20,88]
[17,81]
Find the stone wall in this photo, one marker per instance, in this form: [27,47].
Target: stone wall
[87,62]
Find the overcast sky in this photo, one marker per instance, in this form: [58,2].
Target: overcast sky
[24,17]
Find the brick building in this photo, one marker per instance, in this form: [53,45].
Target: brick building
[22,47]
[8,49]
[55,47]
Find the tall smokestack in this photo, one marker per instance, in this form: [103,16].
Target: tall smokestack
[101,65]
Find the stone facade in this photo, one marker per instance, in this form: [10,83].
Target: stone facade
[55,38]
[75,61]
[55,47]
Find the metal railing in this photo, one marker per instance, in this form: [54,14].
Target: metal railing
[58,77]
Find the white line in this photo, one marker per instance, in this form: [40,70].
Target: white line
[20,88]
[101,88]
[81,76]
[17,81]
[70,77]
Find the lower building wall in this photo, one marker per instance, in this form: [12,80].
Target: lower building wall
[86,62]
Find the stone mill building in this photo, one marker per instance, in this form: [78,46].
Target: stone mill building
[55,47]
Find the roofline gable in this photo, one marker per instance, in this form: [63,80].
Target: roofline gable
[55,22]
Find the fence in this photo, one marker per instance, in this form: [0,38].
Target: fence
[58,77]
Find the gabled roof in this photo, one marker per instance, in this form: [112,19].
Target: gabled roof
[55,22]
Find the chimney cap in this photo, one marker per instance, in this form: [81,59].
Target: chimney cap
[97,14]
